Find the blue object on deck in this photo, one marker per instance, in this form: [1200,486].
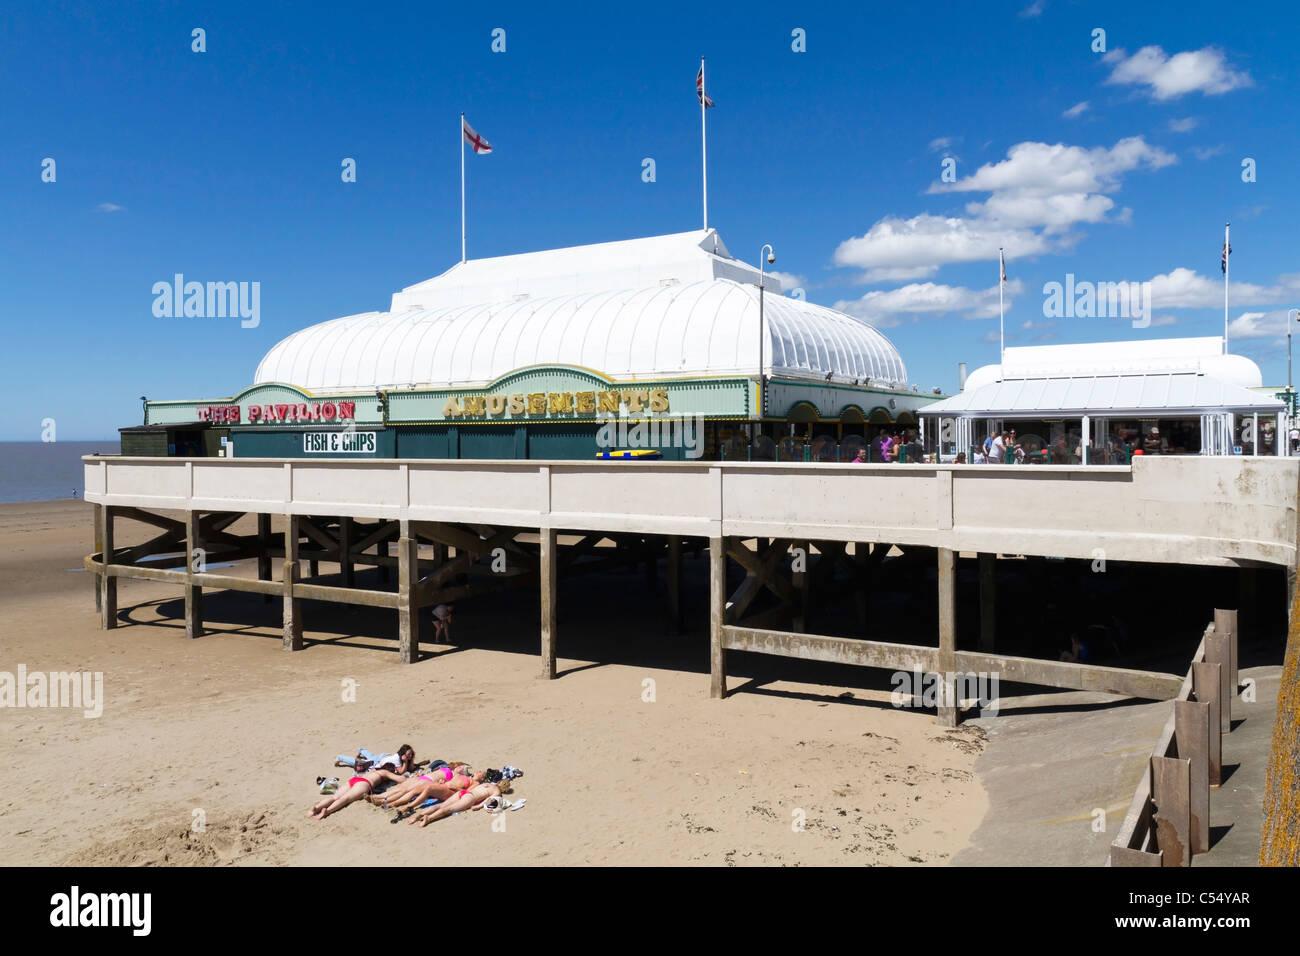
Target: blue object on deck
[638,454]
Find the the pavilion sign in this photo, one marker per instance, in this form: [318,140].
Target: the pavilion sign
[557,404]
[280,412]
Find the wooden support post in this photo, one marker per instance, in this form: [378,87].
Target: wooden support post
[383,550]
[345,550]
[861,584]
[650,550]
[98,549]
[196,559]
[1226,622]
[291,574]
[1217,651]
[264,551]
[1206,684]
[548,538]
[717,608]
[1171,791]
[1192,736]
[674,584]
[988,601]
[802,581]
[949,706]
[1123,856]
[408,606]
[313,569]
[107,583]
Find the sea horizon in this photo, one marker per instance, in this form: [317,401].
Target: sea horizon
[47,471]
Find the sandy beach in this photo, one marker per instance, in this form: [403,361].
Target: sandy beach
[230,731]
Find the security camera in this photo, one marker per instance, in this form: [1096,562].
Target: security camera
[771,258]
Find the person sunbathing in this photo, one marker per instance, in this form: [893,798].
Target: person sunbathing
[357,788]
[437,784]
[465,799]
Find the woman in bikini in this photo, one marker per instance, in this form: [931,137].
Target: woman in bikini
[358,787]
[436,784]
[492,786]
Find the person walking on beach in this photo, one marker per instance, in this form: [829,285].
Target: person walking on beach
[442,618]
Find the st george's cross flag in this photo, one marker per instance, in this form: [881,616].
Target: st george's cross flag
[474,139]
[1003,258]
[699,88]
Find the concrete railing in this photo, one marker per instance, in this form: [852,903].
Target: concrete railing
[1192,510]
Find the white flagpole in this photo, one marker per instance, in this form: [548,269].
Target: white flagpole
[1227,264]
[1002,330]
[460,139]
[704,143]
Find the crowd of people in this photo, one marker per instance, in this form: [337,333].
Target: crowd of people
[419,793]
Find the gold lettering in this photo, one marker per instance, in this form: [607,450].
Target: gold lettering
[560,403]
[608,402]
[586,402]
[636,400]
[536,403]
[496,404]
[516,404]
[659,400]
[451,409]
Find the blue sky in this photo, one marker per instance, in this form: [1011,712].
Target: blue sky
[225,166]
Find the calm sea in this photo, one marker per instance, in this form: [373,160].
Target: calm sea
[43,471]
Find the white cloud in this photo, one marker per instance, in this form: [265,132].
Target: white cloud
[1184,288]
[941,144]
[1207,152]
[991,338]
[1046,169]
[896,249]
[1169,77]
[1034,10]
[1036,195]
[929,298]
[1184,125]
[109,207]
[1076,110]
[788,280]
[1260,325]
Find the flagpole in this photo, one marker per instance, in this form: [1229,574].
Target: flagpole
[1002,331]
[1227,256]
[460,139]
[704,143]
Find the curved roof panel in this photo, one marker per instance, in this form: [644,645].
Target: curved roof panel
[708,326]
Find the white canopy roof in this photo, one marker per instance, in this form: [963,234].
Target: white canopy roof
[657,307]
[1122,358]
[1142,394]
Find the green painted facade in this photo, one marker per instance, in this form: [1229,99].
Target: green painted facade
[546,412]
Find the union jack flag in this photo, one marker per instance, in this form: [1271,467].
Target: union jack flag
[1223,259]
[699,88]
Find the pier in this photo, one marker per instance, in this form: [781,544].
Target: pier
[498,525]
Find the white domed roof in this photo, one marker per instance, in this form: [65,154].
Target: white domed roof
[1203,355]
[704,327]
[639,308]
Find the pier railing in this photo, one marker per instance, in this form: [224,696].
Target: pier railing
[1195,510]
[1168,821]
